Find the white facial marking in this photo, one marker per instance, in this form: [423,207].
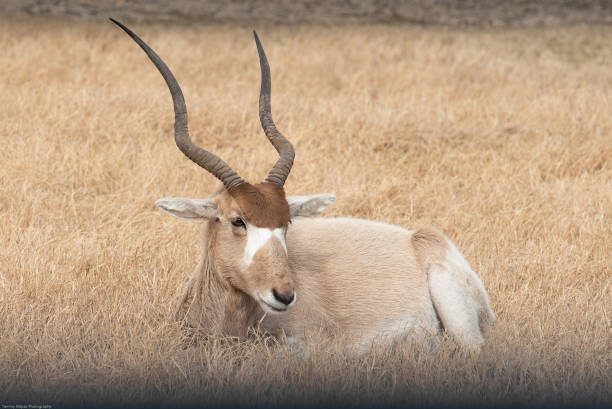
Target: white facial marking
[280,235]
[257,237]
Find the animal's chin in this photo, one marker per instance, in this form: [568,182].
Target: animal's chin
[272,309]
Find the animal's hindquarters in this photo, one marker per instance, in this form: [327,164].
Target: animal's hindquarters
[459,297]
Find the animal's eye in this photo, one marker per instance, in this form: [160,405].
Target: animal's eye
[237,221]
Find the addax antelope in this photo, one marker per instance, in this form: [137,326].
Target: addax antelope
[264,263]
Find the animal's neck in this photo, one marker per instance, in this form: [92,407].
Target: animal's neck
[210,304]
[239,313]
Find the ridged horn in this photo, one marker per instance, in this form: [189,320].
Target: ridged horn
[281,169]
[207,160]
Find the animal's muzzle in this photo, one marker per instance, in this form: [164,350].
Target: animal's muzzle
[283,298]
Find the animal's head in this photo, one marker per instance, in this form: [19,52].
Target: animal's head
[249,221]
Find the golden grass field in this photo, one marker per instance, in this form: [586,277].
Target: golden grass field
[501,139]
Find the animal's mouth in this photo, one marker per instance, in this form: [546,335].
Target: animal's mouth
[272,306]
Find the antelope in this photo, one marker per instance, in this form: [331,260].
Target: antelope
[267,263]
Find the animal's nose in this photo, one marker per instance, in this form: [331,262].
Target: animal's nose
[285,299]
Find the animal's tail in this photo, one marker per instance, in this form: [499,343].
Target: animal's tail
[458,295]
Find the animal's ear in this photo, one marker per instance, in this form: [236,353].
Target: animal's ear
[309,205]
[188,209]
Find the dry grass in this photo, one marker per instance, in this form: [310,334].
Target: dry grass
[502,139]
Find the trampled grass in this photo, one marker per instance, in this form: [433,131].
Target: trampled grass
[501,139]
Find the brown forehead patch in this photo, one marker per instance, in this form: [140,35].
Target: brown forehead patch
[263,205]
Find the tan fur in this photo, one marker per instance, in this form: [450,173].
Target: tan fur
[429,245]
[218,298]
[355,277]
[209,304]
[359,275]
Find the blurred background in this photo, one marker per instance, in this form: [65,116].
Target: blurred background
[514,13]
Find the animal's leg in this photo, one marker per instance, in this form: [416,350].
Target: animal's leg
[456,307]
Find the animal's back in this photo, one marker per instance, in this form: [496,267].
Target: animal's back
[364,279]
[356,276]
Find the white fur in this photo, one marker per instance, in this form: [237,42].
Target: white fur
[455,257]
[280,235]
[257,237]
[459,298]
[457,311]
